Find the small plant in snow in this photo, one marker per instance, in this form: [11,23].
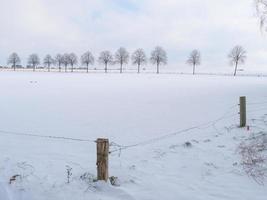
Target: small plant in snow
[253,160]
[114,181]
[88,178]
[14,178]
[90,181]
[69,173]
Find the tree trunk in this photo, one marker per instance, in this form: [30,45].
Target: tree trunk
[106,67]
[157,68]
[194,68]
[71,67]
[65,68]
[235,68]
[138,68]
[87,67]
[14,65]
[121,68]
[34,68]
[48,67]
[59,68]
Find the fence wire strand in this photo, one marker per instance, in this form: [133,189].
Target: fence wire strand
[45,136]
[257,103]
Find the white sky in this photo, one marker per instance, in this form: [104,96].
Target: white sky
[59,26]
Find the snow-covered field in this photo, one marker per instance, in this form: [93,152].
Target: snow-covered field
[128,109]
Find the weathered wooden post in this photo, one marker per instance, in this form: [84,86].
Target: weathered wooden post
[102,148]
[242,112]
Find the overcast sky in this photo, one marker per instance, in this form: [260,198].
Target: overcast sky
[58,26]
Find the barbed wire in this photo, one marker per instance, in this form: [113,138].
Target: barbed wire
[255,110]
[257,103]
[120,148]
[256,106]
[44,136]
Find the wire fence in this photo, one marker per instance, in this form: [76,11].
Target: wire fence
[119,148]
[230,113]
[226,115]
[102,151]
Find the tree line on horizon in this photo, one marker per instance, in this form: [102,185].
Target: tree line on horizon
[158,57]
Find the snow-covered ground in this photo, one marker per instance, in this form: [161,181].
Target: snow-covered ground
[128,109]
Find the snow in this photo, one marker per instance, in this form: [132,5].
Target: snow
[127,109]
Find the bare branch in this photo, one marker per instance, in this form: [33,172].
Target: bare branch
[261,9]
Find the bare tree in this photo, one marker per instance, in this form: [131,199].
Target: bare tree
[73,60]
[194,59]
[34,61]
[59,60]
[121,57]
[261,8]
[66,61]
[158,57]
[105,58]
[14,60]
[48,61]
[87,59]
[237,56]
[139,58]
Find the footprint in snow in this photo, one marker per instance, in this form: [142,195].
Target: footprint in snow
[207,140]
[195,141]
[159,153]
[174,146]
[132,167]
[210,164]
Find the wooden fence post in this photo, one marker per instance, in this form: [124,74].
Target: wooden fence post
[102,147]
[242,112]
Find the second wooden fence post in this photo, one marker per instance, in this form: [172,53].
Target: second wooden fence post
[102,148]
[242,112]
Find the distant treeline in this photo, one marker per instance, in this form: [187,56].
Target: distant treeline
[158,57]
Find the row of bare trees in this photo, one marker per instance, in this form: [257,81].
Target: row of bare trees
[121,57]
[158,57]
